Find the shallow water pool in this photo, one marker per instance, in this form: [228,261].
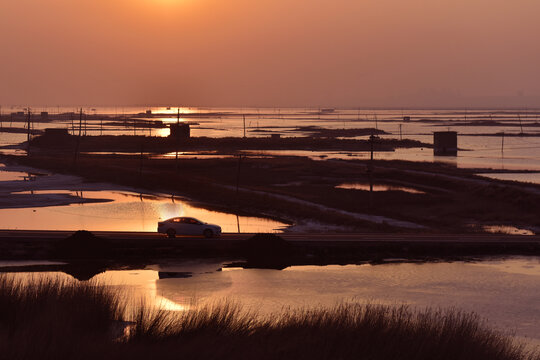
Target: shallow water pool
[503,291]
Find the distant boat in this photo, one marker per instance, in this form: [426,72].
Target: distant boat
[328,110]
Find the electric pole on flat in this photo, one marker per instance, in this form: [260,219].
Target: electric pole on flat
[372,139]
[238,191]
[244,117]
[78,140]
[29,124]
[80,122]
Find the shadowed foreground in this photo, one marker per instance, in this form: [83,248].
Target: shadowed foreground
[71,320]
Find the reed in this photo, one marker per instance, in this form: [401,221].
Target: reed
[59,319]
[54,317]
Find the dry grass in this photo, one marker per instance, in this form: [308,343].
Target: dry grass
[71,320]
[347,331]
[54,318]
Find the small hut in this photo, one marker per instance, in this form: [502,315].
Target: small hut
[56,133]
[180,131]
[445,143]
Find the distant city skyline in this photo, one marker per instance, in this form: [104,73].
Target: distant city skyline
[295,53]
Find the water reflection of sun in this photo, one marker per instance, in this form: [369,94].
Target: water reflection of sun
[163,303]
[144,284]
[173,110]
[170,210]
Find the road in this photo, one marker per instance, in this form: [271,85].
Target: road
[326,238]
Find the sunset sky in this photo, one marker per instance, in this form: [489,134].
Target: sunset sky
[394,53]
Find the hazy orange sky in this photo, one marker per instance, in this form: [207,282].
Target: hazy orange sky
[394,53]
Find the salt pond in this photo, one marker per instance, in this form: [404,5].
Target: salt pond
[482,143]
[366,187]
[504,291]
[126,212]
[533,178]
[58,202]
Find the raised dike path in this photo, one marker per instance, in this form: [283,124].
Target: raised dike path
[297,247]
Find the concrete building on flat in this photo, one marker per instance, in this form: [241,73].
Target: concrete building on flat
[445,143]
[180,131]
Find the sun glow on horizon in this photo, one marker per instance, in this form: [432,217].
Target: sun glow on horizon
[169,2]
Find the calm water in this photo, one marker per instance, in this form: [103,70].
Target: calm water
[519,153]
[533,178]
[506,292]
[132,213]
[126,212]
[56,202]
[366,187]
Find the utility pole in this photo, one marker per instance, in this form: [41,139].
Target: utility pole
[78,140]
[29,120]
[80,122]
[520,125]
[141,164]
[370,171]
[502,144]
[400,133]
[244,117]
[237,192]
[371,141]
[176,155]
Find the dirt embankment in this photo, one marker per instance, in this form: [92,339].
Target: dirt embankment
[70,143]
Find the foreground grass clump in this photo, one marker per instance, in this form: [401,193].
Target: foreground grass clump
[348,331]
[71,320]
[54,318]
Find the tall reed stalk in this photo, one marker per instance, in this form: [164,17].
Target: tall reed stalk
[61,319]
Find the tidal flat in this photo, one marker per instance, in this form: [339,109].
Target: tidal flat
[301,190]
[318,292]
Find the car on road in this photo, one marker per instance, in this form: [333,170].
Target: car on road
[188,226]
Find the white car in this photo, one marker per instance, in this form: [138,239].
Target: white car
[188,226]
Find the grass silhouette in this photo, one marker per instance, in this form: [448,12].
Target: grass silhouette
[59,319]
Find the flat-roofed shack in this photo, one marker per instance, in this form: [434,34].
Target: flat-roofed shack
[445,143]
